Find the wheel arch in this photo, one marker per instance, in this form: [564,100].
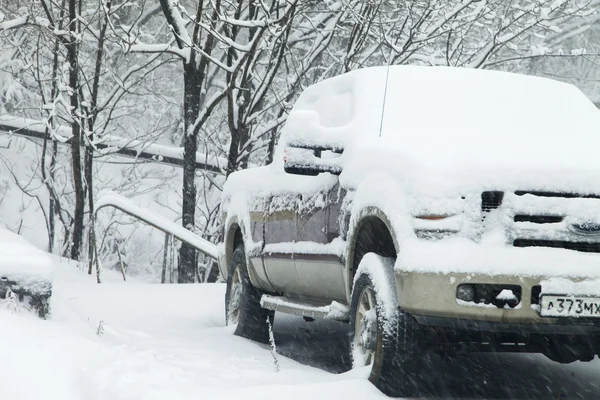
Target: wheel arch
[370,223]
[234,235]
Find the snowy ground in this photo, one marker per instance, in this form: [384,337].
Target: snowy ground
[169,342]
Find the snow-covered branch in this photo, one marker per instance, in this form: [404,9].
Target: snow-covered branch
[135,148]
[171,9]
[160,48]
[14,23]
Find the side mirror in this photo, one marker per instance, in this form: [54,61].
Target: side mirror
[310,148]
[305,159]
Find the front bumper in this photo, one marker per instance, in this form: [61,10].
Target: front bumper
[428,274]
[563,326]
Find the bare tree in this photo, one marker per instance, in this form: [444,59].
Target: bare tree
[97,90]
[238,28]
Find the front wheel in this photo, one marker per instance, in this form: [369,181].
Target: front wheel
[384,338]
[243,312]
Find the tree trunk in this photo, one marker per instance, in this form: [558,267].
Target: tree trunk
[89,150]
[77,237]
[51,204]
[163,275]
[234,152]
[89,157]
[271,146]
[191,105]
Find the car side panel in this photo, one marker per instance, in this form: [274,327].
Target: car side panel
[319,268]
[280,235]
[255,255]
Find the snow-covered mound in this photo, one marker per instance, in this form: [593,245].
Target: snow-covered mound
[25,270]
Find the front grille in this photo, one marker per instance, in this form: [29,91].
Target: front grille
[557,194]
[539,219]
[559,220]
[559,244]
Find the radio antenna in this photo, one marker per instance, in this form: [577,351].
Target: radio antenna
[387,76]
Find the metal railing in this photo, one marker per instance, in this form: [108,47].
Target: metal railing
[170,228]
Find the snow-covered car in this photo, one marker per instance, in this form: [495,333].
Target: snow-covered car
[25,273]
[434,209]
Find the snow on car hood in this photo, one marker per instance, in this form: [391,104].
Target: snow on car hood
[568,167]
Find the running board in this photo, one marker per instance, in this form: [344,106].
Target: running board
[335,311]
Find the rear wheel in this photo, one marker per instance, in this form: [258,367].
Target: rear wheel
[384,338]
[243,312]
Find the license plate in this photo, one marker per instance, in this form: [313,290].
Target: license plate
[570,306]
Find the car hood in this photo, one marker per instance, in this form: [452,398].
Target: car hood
[529,164]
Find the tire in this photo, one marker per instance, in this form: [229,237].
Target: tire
[396,356]
[242,302]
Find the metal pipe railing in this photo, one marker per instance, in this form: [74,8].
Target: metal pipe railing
[157,221]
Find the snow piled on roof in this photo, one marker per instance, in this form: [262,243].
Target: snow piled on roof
[450,128]
[460,103]
[468,104]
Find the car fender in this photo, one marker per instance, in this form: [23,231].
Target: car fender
[382,196]
[238,216]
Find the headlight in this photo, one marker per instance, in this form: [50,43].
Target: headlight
[433,217]
[433,234]
[436,226]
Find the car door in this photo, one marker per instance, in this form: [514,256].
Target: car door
[318,259]
[280,237]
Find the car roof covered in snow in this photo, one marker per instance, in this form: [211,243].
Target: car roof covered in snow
[417,101]
[456,120]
